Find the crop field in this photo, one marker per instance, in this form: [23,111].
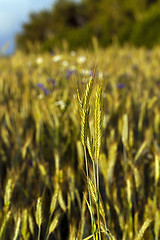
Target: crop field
[46,190]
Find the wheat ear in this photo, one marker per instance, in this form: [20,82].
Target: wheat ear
[97,143]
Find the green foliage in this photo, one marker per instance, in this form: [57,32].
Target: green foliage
[136,22]
[146,30]
[48,27]
[37,31]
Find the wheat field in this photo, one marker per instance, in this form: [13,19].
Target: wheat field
[80,145]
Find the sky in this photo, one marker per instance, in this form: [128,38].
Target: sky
[13,13]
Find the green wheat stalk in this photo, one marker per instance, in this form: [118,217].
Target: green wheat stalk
[92,144]
[97,142]
[83,106]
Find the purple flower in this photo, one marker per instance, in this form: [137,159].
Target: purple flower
[158,82]
[69,73]
[40,85]
[52,81]
[120,85]
[29,161]
[43,88]
[45,91]
[92,73]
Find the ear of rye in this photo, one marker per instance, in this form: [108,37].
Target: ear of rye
[88,93]
[39,212]
[97,122]
[80,106]
[90,145]
[84,111]
[84,125]
[54,223]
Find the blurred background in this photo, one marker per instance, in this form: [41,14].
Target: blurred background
[13,13]
[47,24]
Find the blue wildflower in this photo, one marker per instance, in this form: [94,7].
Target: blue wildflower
[29,161]
[52,81]
[45,91]
[120,85]
[158,82]
[92,73]
[69,73]
[43,88]
[40,85]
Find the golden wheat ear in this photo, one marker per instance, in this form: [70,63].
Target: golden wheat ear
[90,145]
[144,227]
[83,106]
[39,212]
[38,215]
[98,122]
[54,223]
[88,93]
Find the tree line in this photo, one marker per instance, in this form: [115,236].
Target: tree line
[135,22]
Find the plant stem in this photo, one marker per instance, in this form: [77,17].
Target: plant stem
[39,232]
[47,230]
[98,210]
[125,161]
[90,200]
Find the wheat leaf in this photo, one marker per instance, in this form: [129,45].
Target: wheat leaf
[89,237]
